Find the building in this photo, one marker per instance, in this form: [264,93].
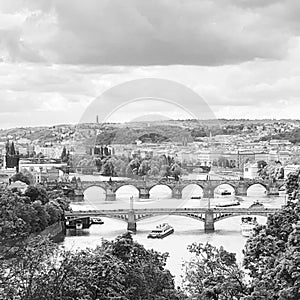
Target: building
[46,171]
[244,157]
[49,152]
[250,170]
[279,143]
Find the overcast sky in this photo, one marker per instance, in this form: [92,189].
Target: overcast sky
[56,56]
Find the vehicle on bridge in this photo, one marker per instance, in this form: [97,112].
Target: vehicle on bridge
[161,231]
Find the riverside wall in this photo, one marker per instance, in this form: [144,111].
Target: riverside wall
[52,230]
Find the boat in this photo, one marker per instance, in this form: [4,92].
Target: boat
[161,231]
[227,204]
[256,204]
[273,194]
[196,197]
[96,220]
[225,193]
[247,226]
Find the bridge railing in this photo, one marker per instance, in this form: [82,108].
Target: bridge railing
[175,210]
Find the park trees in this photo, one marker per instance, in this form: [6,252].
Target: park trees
[20,177]
[108,168]
[146,276]
[119,269]
[213,274]
[272,254]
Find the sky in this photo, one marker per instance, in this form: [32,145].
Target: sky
[241,57]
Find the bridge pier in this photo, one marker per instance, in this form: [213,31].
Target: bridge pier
[144,193]
[241,189]
[273,191]
[110,195]
[209,224]
[78,195]
[131,223]
[208,192]
[177,193]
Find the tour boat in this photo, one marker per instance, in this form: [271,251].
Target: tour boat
[256,204]
[226,204]
[247,226]
[161,231]
[225,193]
[96,220]
[273,193]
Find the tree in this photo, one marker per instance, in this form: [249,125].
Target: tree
[213,274]
[63,153]
[272,254]
[176,171]
[36,193]
[261,164]
[223,162]
[20,177]
[146,276]
[144,168]
[20,274]
[107,168]
[119,269]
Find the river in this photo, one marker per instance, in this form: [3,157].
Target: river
[187,231]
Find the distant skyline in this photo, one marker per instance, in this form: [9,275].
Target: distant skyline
[242,57]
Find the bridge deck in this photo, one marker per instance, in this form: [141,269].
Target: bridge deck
[227,210]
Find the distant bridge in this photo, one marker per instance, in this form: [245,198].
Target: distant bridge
[208,216]
[208,186]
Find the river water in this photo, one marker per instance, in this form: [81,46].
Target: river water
[187,231]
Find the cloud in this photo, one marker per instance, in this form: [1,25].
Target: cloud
[56,57]
[160,32]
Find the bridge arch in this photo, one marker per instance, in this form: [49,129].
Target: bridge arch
[94,193]
[198,217]
[88,185]
[160,191]
[192,189]
[127,191]
[257,188]
[225,187]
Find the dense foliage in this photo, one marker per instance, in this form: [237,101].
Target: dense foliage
[271,260]
[28,213]
[121,269]
[20,177]
[123,166]
[213,274]
[293,136]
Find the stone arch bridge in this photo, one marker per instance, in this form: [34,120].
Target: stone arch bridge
[208,216]
[208,186]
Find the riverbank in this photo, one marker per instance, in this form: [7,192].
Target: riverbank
[52,231]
